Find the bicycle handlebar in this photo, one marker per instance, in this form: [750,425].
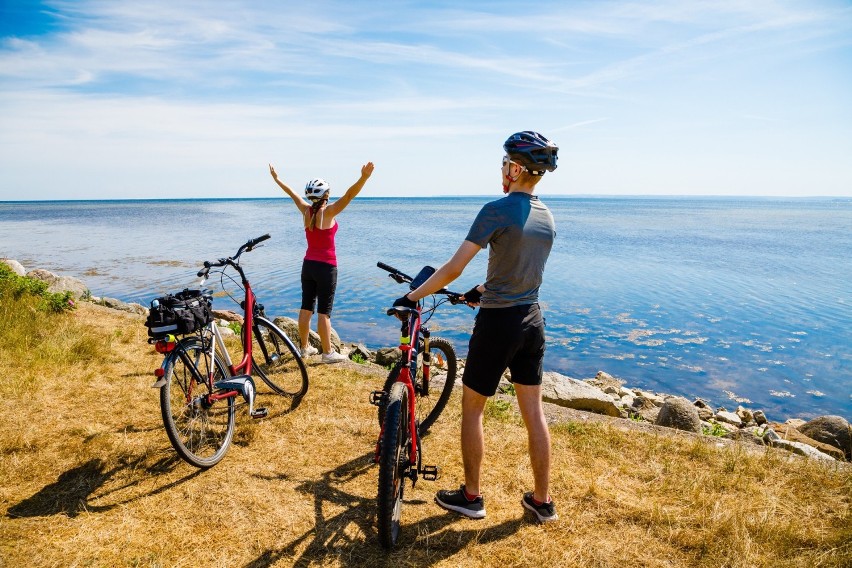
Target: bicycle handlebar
[402,278]
[247,247]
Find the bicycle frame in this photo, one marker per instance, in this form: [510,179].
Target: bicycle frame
[244,367]
[409,337]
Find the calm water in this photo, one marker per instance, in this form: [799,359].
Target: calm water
[719,298]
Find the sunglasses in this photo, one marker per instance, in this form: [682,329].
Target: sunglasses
[507,160]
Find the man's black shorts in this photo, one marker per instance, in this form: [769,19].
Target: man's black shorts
[319,281]
[503,338]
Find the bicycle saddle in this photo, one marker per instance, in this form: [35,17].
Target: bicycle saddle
[401,312]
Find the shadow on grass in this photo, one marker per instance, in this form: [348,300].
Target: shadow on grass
[350,538]
[72,492]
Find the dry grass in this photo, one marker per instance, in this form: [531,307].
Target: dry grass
[89,479]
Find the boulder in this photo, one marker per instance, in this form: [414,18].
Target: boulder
[229,315]
[579,395]
[388,356]
[801,449]
[759,417]
[832,430]
[745,414]
[729,418]
[16,266]
[787,432]
[60,284]
[361,351]
[680,414]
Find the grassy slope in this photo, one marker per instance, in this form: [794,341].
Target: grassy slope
[89,478]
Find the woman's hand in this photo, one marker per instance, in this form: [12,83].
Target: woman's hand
[366,170]
[272,172]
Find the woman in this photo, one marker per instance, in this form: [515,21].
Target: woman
[319,268]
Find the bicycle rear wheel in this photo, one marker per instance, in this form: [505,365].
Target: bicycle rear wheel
[200,431]
[442,379]
[277,361]
[394,455]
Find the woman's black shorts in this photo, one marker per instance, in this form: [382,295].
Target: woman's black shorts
[319,281]
[503,338]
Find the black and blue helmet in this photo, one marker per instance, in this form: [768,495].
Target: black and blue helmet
[533,151]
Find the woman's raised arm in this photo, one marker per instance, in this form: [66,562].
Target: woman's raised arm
[300,203]
[334,208]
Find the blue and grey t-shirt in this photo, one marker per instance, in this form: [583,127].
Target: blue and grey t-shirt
[519,231]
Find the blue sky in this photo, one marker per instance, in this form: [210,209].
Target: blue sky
[108,99]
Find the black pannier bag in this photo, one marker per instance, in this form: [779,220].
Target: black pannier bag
[179,314]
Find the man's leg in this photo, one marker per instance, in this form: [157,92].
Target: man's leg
[472,438]
[538,436]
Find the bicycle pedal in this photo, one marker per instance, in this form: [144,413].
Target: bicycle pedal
[430,472]
[378,398]
[259,413]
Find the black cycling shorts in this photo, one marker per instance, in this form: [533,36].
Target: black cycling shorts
[319,281]
[504,338]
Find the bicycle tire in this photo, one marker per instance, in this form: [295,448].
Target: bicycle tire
[443,377]
[200,434]
[277,361]
[394,455]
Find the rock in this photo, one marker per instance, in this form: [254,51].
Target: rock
[787,432]
[60,284]
[679,413]
[795,422]
[579,395]
[729,418]
[604,380]
[832,430]
[388,356]
[759,417]
[657,400]
[801,449]
[229,316]
[361,351]
[705,413]
[744,414]
[627,400]
[227,331]
[137,309]
[645,409]
[16,266]
[745,435]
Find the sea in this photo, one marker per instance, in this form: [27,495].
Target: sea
[732,300]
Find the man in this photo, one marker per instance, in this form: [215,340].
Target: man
[509,328]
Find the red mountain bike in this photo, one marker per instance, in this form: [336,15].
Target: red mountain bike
[199,383]
[416,392]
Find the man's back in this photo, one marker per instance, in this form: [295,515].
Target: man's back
[519,230]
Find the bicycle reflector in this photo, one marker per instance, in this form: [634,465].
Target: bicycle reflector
[165,345]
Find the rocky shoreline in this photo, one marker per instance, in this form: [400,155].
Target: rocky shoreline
[826,438]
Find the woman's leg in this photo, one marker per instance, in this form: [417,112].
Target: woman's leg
[304,326]
[324,330]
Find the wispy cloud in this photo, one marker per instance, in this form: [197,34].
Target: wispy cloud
[186,83]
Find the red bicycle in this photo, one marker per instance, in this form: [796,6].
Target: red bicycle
[199,383]
[409,405]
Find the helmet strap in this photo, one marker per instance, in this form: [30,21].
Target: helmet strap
[509,180]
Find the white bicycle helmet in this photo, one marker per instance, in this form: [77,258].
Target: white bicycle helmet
[317,189]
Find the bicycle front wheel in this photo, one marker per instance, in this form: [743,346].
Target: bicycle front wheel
[200,430]
[276,360]
[431,398]
[394,456]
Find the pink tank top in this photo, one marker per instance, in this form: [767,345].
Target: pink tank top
[321,244]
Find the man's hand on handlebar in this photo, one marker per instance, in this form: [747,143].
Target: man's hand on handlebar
[405,302]
[472,296]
